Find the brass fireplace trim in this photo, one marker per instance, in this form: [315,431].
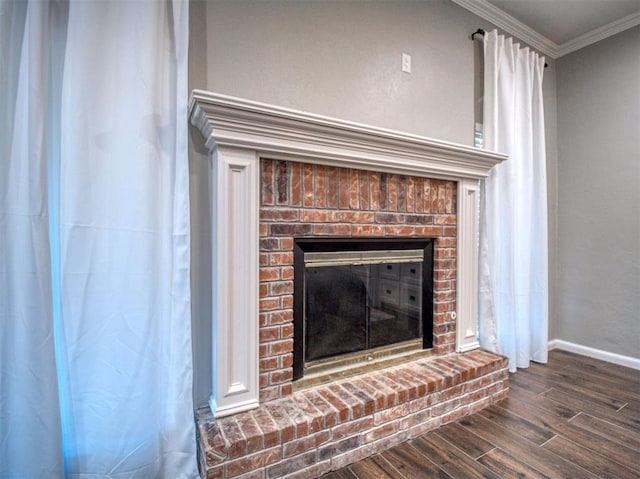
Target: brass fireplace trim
[355,258]
[323,371]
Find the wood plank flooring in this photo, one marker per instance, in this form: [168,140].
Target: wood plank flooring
[575,417]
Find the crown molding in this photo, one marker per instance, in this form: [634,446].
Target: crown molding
[515,27]
[601,33]
[511,25]
[283,133]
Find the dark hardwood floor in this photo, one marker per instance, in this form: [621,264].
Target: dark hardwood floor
[575,417]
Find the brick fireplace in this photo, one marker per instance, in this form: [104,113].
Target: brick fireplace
[279,175]
[306,200]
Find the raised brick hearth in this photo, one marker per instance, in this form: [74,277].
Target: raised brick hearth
[324,428]
[278,175]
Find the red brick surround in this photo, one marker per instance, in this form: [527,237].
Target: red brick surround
[302,200]
[327,427]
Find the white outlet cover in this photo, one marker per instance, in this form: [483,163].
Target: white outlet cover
[406,62]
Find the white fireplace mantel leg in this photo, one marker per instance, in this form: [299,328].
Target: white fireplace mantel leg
[467,287]
[235,209]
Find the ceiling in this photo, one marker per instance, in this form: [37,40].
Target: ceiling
[558,27]
[564,20]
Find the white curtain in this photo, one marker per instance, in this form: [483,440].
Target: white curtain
[513,309]
[95,338]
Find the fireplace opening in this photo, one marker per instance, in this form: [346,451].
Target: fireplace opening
[358,301]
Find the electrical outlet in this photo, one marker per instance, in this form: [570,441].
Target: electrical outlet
[406,62]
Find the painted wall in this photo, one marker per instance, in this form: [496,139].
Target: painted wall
[549,92]
[200,207]
[340,59]
[599,195]
[343,59]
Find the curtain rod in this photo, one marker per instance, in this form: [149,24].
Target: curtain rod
[480,31]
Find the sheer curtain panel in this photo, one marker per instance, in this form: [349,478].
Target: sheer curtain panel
[513,309]
[95,343]
[29,407]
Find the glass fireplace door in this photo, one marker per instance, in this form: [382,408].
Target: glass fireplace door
[360,300]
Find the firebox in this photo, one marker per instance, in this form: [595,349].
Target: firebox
[359,300]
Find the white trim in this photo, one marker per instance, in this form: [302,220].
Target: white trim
[614,358]
[515,27]
[282,133]
[231,409]
[238,133]
[235,206]
[511,25]
[467,274]
[601,33]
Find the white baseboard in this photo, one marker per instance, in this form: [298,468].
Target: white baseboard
[614,358]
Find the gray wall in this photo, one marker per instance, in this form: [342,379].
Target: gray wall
[340,59]
[549,93]
[599,195]
[199,203]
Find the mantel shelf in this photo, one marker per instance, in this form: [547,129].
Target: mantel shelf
[282,133]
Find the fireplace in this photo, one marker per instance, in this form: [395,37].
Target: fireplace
[360,301]
[282,181]
[280,174]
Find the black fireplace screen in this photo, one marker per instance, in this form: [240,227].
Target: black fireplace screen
[353,296]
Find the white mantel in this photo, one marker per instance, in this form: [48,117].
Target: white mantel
[238,133]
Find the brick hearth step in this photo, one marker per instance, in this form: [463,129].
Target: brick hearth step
[324,428]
